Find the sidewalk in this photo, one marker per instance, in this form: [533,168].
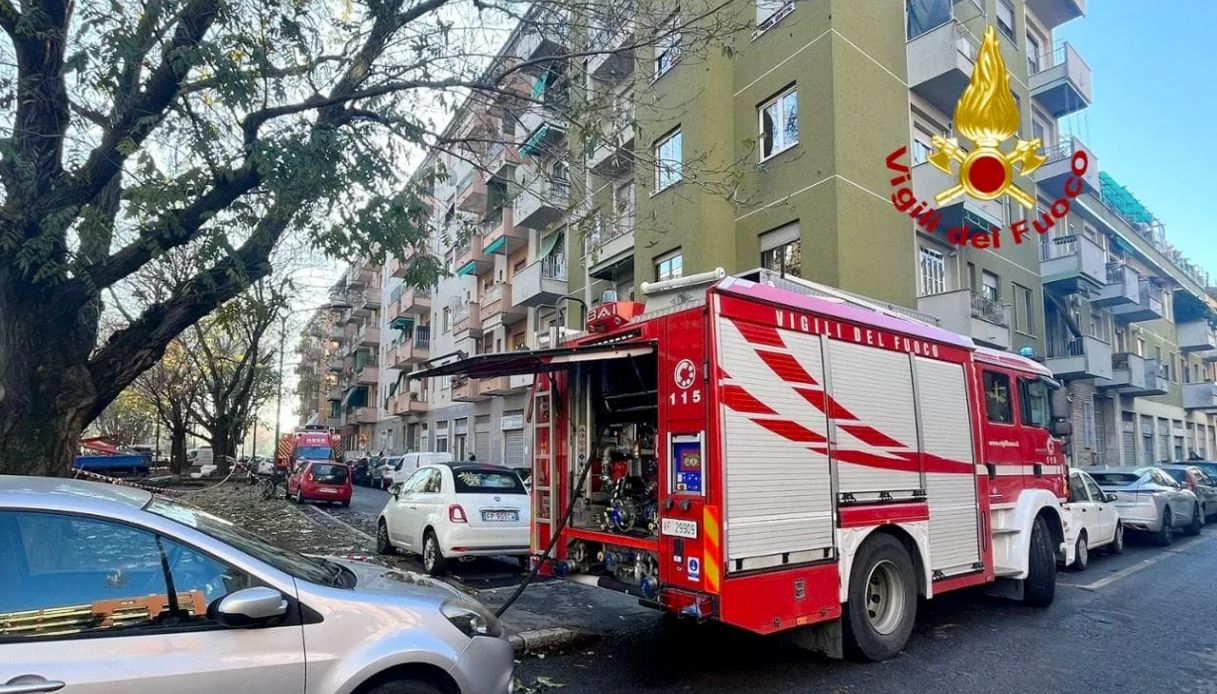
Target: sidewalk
[550,614]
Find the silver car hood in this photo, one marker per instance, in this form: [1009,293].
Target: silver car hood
[374,578]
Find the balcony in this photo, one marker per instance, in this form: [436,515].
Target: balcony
[407,304]
[1123,287]
[533,48]
[467,390]
[541,202]
[1147,308]
[1135,375]
[400,268]
[1080,357]
[1062,85]
[610,246]
[502,235]
[541,282]
[368,336]
[506,385]
[1198,336]
[1053,13]
[408,403]
[365,302]
[338,333]
[501,160]
[368,374]
[979,215]
[1056,171]
[497,307]
[335,394]
[544,131]
[616,62]
[940,62]
[472,258]
[471,193]
[984,320]
[337,365]
[467,321]
[614,155]
[362,415]
[410,351]
[1200,396]
[1071,263]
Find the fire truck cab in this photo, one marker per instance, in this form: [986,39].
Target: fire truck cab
[782,456]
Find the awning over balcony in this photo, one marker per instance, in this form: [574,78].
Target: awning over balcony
[549,243]
[356,397]
[534,360]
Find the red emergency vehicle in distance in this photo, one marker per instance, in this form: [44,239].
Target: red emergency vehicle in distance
[779,455]
[310,444]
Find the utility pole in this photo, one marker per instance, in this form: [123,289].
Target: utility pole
[279,396]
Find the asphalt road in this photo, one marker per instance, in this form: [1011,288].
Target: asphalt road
[1142,622]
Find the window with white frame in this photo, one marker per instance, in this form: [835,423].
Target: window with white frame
[933,270]
[668,160]
[1005,18]
[779,123]
[1033,55]
[770,12]
[667,46]
[990,286]
[669,266]
[782,252]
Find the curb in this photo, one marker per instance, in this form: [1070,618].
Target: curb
[552,638]
[350,528]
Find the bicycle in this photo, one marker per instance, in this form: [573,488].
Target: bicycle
[270,484]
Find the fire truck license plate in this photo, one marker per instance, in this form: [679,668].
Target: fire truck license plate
[679,528]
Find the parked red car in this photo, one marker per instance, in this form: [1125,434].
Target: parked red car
[320,481]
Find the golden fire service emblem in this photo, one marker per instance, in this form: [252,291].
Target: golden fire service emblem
[988,116]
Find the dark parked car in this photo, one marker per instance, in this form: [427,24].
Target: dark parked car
[360,472]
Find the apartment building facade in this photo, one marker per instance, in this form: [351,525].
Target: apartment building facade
[772,154]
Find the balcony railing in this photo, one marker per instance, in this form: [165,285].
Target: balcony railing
[553,267]
[989,310]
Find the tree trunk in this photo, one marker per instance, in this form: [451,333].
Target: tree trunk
[177,450]
[222,444]
[47,395]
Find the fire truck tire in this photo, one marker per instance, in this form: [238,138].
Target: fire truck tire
[433,557]
[1197,523]
[882,602]
[1039,588]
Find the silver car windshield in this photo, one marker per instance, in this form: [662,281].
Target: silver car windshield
[289,562]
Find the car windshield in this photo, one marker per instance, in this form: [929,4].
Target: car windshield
[487,482]
[1116,479]
[315,453]
[311,569]
[1179,475]
[332,474]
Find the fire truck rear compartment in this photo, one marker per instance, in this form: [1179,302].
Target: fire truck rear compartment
[616,428]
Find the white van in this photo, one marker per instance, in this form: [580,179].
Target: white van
[201,462]
[408,463]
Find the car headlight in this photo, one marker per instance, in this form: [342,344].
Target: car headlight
[471,618]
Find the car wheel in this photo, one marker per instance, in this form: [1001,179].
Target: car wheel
[1117,541]
[405,687]
[1081,553]
[1166,534]
[299,495]
[434,562]
[383,544]
[1039,588]
[346,504]
[525,562]
[1197,523]
[882,600]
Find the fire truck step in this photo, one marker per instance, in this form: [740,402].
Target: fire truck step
[1005,571]
[1006,531]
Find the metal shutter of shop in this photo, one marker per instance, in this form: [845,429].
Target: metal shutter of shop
[481,441]
[1130,447]
[513,448]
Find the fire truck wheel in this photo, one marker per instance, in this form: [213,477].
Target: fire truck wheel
[1039,588]
[433,558]
[1197,523]
[882,600]
[1081,552]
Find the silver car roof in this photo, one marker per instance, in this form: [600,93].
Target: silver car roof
[43,492]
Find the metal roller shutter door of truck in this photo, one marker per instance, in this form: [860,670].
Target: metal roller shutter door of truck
[779,491]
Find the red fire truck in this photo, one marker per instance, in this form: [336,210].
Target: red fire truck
[779,455]
[307,444]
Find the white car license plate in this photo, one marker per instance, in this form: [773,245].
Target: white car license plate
[500,516]
[679,528]
[329,490]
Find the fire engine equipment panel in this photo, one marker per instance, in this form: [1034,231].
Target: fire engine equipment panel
[687,456]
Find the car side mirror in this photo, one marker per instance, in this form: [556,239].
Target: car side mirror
[395,491]
[1109,497]
[249,607]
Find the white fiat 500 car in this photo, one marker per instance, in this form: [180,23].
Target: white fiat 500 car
[1093,521]
[456,511]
